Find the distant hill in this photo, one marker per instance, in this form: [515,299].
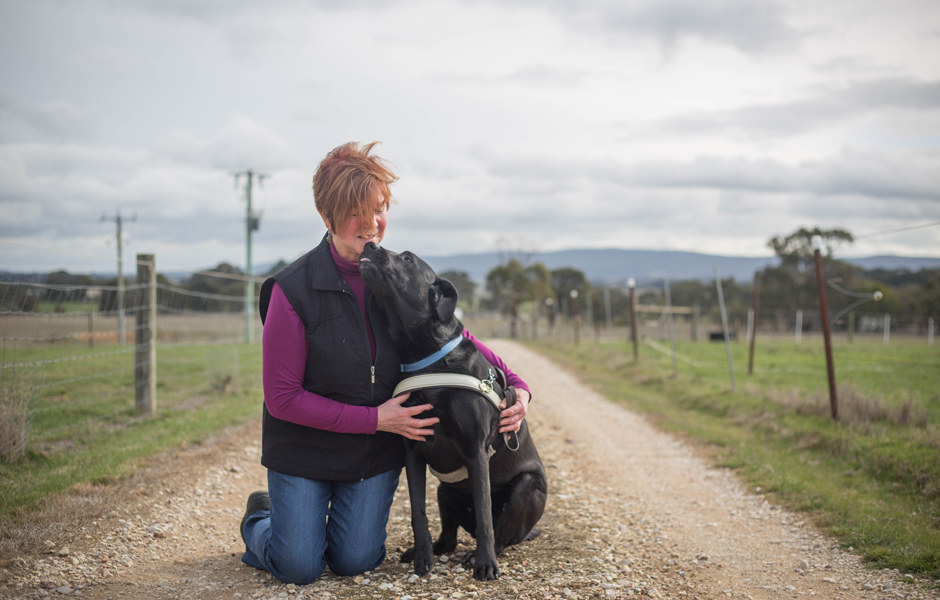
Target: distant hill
[606,266]
[614,266]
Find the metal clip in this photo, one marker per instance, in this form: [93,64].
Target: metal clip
[487,385]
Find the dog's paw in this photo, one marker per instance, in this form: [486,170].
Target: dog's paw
[485,572]
[423,562]
[468,560]
[408,555]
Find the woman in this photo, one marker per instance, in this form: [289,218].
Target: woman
[331,431]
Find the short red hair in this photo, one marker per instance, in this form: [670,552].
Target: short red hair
[347,181]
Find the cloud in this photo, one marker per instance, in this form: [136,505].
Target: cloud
[824,106]
[537,75]
[242,144]
[748,25]
[908,175]
[177,187]
[56,119]
[214,10]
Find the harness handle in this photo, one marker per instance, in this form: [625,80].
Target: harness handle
[511,439]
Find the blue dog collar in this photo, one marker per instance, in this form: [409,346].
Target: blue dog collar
[417,366]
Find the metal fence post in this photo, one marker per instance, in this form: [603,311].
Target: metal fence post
[887,330]
[724,327]
[631,283]
[145,371]
[798,336]
[672,329]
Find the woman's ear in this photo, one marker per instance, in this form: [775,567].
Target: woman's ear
[326,223]
[443,299]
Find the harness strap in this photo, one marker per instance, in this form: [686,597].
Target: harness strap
[466,382]
[448,380]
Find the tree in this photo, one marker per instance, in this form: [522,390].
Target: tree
[798,246]
[511,284]
[792,284]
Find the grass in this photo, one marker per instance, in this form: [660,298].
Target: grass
[198,395]
[872,479]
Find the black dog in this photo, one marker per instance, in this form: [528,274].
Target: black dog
[504,496]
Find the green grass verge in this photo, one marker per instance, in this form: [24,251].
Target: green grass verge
[194,404]
[872,479]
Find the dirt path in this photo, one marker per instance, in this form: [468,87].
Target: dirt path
[632,512]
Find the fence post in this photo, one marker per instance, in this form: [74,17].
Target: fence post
[575,321]
[887,331]
[799,326]
[91,329]
[851,326]
[724,327]
[610,320]
[696,310]
[631,283]
[145,371]
[752,322]
[590,313]
[930,331]
[824,317]
[672,329]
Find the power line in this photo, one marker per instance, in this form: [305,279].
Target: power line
[899,229]
[12,243]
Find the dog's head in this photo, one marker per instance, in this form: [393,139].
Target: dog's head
[409,291]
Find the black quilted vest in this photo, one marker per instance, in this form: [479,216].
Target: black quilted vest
[339,366]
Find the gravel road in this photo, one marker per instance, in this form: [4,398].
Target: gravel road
[631,512]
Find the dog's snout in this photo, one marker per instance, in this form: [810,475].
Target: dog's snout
[371,246]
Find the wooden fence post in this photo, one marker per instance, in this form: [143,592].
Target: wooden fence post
[145,372]
[824,317]
[755,304]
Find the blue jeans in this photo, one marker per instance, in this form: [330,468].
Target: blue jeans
[313,524]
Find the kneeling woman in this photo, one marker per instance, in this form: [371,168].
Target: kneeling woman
[331,431]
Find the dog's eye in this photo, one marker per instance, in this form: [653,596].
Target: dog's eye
[407,258]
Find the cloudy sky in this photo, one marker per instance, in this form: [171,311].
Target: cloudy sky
[694,125]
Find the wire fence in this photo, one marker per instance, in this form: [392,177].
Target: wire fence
[652,324]
[71,356]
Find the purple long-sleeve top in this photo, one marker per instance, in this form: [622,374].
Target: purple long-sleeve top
[284,351]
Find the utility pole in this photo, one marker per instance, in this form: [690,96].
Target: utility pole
[252,222]
[119,220]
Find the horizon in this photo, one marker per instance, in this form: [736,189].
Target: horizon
[534,258]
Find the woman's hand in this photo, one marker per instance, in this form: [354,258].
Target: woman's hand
[395,418]
[511,418]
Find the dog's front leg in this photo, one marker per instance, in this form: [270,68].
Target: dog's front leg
[416,471]
[485,567]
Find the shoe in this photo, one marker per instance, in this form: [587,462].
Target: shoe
[259,500]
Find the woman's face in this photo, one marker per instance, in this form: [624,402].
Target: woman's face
[350,239]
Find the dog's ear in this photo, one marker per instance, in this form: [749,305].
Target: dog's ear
[442,296]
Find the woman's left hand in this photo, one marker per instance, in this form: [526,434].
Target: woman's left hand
[511,418]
